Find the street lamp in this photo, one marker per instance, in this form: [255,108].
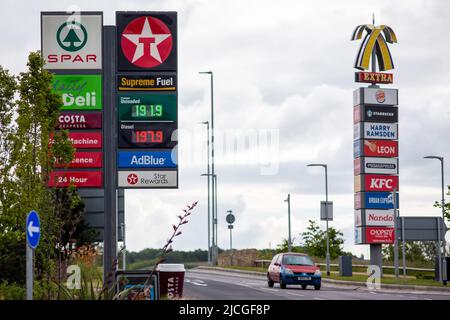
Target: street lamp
[214,186]
[209,200]
[288,200]
[442,265]
[215,250]
[326,200]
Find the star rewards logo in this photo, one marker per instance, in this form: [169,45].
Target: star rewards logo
[146,42]
[132,178]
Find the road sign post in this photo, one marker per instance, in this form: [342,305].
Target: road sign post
[230,219]
[33,234]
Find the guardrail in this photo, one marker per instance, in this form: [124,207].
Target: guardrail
[262,263]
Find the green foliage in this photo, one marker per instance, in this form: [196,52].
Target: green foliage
[314,239]
[417,251]
[11,291]
[438,204]
[284,247]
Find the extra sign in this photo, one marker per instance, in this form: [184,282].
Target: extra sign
[375,148]
[72,41]
[372,130]
[147,179]
[375,165]
[375,182]
[374,77]
[376,96]
[375,200]
[375,114]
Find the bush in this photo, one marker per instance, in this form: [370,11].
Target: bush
[11,291]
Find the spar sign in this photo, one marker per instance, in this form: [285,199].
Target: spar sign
[72,41]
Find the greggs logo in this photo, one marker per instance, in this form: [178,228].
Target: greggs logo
[374,41]
[374,77]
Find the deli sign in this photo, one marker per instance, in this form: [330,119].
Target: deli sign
[72,41]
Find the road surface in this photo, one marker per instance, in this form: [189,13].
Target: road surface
[216,285]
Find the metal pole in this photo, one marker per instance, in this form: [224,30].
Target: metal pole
[124,254]
[289,223]
[394,199]
[326,200]
[231,246]
[439,250]
[109,131]
[444,262]
[209,195]
[403,248]
[215,222]
[29,264]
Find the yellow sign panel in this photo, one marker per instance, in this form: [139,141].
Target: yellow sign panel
[374,41]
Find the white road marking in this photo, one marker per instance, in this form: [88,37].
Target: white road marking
[317,298]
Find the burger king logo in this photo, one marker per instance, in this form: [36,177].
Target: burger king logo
[380,96]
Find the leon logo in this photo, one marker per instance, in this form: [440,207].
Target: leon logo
[71,36]
[146,42]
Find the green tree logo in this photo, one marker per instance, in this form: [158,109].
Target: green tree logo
[68,36]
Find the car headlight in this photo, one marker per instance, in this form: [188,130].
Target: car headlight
[288,271]
[318,272]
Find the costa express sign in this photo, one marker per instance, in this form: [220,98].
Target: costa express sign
[375,182]
[72,41]
[376,235]
[84,140]
[146,41]
[79,92]
[79,120]
[79,179]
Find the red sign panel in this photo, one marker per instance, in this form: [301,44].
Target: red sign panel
[380,148]
[380,182]
[374,77]
[379,235]
[84,140]
[80,179]
[85,160]
[79,120]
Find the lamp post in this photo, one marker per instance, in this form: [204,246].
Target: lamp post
[326,200]
[214,248]
[288,200]
[214,186]
[209,200]
[442,263]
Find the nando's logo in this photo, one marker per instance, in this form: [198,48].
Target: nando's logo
[374,41]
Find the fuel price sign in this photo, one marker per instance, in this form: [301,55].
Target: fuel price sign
[147,135]
[152,107]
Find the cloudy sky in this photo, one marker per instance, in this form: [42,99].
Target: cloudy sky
[283,68]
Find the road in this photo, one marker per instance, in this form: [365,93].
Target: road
[215,285]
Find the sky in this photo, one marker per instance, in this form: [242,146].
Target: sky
[284,81]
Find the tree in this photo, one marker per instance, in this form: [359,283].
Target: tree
[315,243]
[416,251]
[284,246]
[438,204]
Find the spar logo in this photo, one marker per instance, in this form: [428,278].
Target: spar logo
[71,36]
[146,42]
[380,96]
[132,178]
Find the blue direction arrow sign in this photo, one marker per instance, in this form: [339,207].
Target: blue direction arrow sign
[33,226]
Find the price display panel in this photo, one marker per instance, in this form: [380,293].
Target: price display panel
[147,107]
[147,135]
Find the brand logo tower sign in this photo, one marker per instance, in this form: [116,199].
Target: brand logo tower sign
[375,134]
[72,49]
[147,103]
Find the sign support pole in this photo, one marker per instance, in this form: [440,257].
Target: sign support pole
[394,199]
[110,139]
[403,248]
[29,280]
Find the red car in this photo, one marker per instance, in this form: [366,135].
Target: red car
[294,268]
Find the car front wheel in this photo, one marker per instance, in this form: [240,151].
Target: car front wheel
[303,286]
[269,283]
[282,284]
[317,287]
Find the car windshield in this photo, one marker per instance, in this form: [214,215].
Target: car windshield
[296,260]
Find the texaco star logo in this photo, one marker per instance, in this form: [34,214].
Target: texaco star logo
[146,42]
[132,178]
